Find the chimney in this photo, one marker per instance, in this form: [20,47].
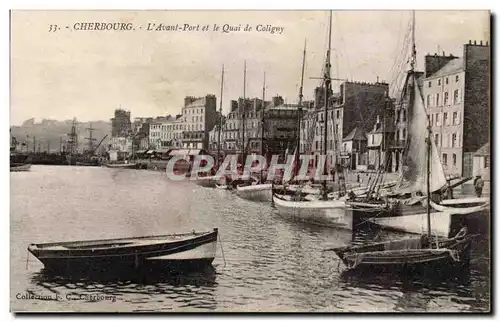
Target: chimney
[470,42]
[474,42]
[443,53]
[481,42]
[435,63]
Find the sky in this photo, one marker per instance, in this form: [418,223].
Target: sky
[88,74]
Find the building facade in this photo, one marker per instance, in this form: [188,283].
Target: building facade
[120,123]
[199,115]
[401,116]
[355,106]
[456,91]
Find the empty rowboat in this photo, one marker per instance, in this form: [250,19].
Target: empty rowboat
[194,250]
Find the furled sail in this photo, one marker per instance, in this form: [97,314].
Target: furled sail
[414,174]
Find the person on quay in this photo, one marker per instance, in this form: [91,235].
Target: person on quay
[478,185]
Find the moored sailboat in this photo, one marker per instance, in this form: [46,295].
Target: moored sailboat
[404,206]
[322,212]
[413,253]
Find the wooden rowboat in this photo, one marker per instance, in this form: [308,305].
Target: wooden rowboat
[171,252]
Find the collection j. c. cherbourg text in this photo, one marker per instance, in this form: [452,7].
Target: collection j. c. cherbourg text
[159,26]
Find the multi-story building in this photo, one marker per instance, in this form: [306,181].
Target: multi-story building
[161,133]
[140,128]
[177,130]
[199,116]
[280,128]
[245,115]
[379,140]
[457,92]
[401,115]
[272,122]
[120,124]
[356,105]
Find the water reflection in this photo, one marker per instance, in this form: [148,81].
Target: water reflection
[195,290]
[206,277]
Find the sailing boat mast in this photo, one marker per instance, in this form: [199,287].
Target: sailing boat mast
[299,110]
[220,116]
[244,105]
[262,123]
[413,61]
[327,83]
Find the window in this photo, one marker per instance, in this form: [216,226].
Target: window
[486,162]
[373,139]
[446,81]
[445,159]
[455,97]
[437,99]
[436,139]
[338,114]
[453,139]
[404,134]
[446,98]
[428,100]
[430,84]
[316,145]
[445,118]
[404,115]
[432,119]
[456,79]
[455,118]
[437,119]
[439,82]
[336,128]
[454,158]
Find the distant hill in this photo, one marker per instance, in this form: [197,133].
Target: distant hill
[51,131]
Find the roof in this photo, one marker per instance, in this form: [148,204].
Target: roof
[356,134]
[452,67]
[484,150]
[185,152]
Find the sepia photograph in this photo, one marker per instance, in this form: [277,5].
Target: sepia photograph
[333,161]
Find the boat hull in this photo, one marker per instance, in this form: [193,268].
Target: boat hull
[20,168]
[417,223]
[206,182]
[323,213]
[258,192]
[172,255]
[406,255]
[122,165]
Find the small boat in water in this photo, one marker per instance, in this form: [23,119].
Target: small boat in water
[256,192]
[170,252]
[329,213]
[206,182]
[122,165]
[19,167]
[410,253]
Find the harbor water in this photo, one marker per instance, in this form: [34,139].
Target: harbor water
[263,263]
